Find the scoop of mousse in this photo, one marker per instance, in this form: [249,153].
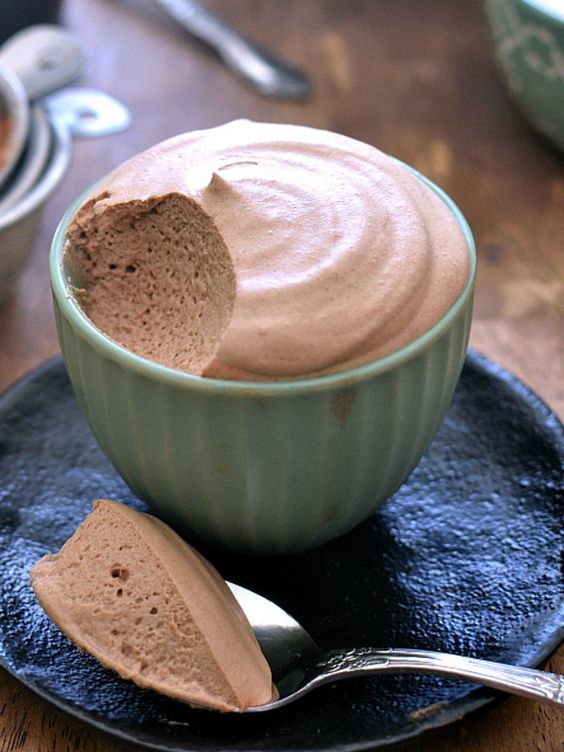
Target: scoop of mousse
[127,589]
[340,254]
[155,276]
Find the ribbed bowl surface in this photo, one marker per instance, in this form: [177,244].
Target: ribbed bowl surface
[263,468]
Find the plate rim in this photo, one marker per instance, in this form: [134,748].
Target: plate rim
[445,716]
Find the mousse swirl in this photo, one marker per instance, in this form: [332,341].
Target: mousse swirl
[340,254]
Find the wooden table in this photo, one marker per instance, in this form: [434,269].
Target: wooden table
[416,79]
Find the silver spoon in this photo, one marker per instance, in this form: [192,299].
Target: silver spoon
[265,72]
[31,164]
[35,61]
[298,665]
[44,58]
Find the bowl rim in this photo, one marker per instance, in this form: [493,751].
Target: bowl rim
[14,98]
[55,169]
[545,10]
[70,309]
[32,163]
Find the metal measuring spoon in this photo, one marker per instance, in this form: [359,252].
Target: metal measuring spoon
[298,665]
[267,73]
[44,57]
[81,113]
[32,162]
[14,108]
[33,62]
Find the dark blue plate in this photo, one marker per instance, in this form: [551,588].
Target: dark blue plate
[465,558]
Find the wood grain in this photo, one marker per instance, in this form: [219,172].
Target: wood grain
[416,79]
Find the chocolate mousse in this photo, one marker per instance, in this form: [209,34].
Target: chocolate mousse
[127,589]
[158,277]
[264,251]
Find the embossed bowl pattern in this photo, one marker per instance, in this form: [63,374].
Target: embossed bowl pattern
[528,39]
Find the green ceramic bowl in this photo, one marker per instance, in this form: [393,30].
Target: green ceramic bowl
[529,45]
[262,467]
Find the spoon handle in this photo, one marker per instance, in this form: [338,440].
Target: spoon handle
[45,57]
[528,682]
[267,73]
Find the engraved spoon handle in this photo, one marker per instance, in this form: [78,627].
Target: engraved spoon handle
[266,72]
[528,682]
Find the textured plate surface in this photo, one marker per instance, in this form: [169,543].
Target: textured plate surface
[465,558]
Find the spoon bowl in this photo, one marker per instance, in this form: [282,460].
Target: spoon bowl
[14,109]
[19,223]
[299,665]
[32,162]
[33,62]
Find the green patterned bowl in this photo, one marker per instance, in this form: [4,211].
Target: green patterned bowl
[529,46]
[262,467]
